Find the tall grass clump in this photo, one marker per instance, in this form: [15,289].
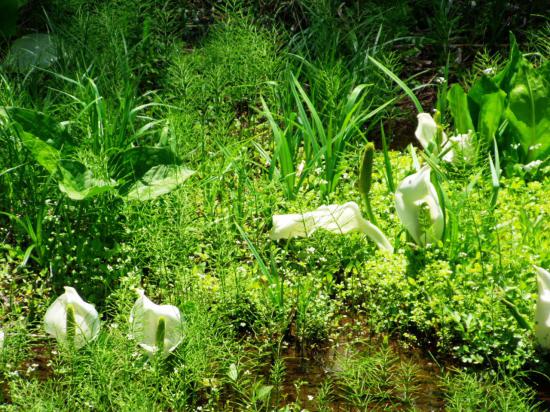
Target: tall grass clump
[309,141]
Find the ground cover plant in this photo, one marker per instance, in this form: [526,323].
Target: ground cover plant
[259,205]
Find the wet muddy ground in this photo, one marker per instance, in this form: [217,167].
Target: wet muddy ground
[312,368]
[323,371]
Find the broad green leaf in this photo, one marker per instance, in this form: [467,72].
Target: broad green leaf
[490,115]
[458,104]
[486,102]
[78,182]
[32,50]
[133,163]
[529,110]
[40,125]
[46,155]
[504,78]
[158,181]
[147,172]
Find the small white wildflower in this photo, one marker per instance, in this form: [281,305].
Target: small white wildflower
[440,80]
[310,397]
[535,147]
[310,250]
[489,71]
[532,165]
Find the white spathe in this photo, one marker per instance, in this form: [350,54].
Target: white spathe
[1,340]
[144,321]
[454,148]
[426,130]
[86,318]
[542,311]
[414,193]
[339,219]
[459,147]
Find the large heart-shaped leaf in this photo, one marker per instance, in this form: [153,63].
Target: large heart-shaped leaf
[40,125]
[133,163]
[158,181]
[32,50]
[46,155]
[458,104]
[147,172]
[529,110]
[78,182]
[486,102]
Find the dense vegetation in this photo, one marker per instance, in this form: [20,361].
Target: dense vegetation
[161,146]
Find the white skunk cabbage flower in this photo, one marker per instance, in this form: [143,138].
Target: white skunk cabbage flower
[155,327]
[460,147]
[455,147]
[426,130]
[418,207]
[339,219]
[542,311]
[71,320]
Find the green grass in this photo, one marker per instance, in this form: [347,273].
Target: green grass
[320,323]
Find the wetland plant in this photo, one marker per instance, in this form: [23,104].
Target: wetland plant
[157,328]
[71,320]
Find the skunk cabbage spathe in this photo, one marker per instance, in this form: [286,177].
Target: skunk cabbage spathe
[542,311]
[157,328]
[426,130]
[70,320]
[339,219]
[418,207]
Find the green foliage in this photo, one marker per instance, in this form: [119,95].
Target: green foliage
[142,173]
[228,73]
[528,110]
[490,393]
[249,106]
[311,140]
[518,94]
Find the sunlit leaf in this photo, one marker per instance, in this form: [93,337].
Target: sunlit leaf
[158,181]
[46,155]
[40,125]
[147,172]
[458,104]
[78,182]
[529,110]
